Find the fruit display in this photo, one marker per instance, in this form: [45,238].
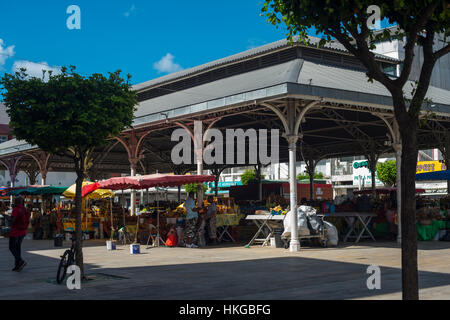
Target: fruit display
[426,214]
[226,206]
[180,211]
[278,210]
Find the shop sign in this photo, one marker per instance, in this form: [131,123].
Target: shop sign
[362,175]
[430,166]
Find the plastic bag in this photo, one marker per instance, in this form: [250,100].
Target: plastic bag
[331,234]
[307,222]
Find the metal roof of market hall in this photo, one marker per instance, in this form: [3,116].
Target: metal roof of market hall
[248,54]
[235,89]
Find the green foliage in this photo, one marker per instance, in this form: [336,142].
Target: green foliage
[249,177]
[305,176]
[387,172]
[329,17]
[302,176]
[193,187]
[69,114]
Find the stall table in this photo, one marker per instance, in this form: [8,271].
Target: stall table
[264,227]
[351,218]
[223,223]
[429,232]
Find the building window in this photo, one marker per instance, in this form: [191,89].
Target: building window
[3,138]
[390,70]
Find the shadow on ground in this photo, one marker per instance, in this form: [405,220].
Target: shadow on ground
[292,277]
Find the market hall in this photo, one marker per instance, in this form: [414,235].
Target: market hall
[319,99]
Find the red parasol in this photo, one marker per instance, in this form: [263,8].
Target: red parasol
[89,188]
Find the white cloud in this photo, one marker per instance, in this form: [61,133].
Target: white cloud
[5,53]
[254,43]
[167,65]
[34,69]
[130,11]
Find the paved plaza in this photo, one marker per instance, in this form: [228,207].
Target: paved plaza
[225,272]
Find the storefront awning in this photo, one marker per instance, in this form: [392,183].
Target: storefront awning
[37,191]
[383,191]
[433,176]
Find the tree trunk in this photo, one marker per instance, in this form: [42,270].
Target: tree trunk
[373,168]
[78,224]
[311,168]
[410,276]
[216,186]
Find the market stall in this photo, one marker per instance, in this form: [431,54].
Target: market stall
[433,216]
[93,214]
[42,203]
[159,181]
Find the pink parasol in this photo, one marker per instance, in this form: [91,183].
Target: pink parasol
[153,180]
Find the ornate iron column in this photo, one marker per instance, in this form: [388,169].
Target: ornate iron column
[291,115]
[132,142]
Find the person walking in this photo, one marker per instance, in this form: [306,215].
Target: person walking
[19,226]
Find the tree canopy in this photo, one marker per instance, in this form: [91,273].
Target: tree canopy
[250,176]
[69,114]
[193,187]
[387,172]
[305,176]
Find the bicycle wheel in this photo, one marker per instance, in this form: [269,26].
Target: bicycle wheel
[63,265]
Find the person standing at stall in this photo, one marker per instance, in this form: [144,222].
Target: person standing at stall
[45,225]
[19,226]
[190,229]
[211,220]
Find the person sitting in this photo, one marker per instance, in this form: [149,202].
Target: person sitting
[172,238]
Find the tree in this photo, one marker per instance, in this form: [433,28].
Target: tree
[305,176]
[69,115]
[193,187]
[387,172]
[249,177]
[419,22]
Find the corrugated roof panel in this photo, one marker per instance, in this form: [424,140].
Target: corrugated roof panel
[321,75]
[249,81]
[335,46]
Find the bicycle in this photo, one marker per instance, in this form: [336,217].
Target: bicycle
[67,259]
[124,236]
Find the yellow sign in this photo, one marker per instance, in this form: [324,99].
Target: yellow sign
[429,166]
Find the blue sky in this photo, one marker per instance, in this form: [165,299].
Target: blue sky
[147,39]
